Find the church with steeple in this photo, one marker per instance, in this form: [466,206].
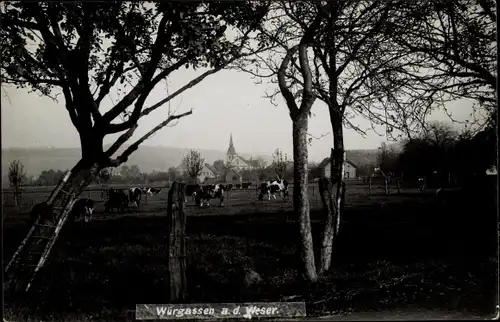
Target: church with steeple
[234,161]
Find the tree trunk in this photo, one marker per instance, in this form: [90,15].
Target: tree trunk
[301,197]
[77,179]
[339,165]
[325,190]
[87,169]
[332,195]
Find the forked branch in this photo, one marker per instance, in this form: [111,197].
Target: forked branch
[134,146]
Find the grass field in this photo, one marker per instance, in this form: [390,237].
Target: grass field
[397,253]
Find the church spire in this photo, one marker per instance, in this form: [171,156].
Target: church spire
[231,150]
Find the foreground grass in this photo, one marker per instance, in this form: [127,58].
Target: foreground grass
[386,259]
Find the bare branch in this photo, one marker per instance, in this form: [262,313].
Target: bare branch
[192,83]
[134,146]
[287,94]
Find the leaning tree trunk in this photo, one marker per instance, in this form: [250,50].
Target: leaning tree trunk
[87,169]
[301,197]
[332,193]
[78,178]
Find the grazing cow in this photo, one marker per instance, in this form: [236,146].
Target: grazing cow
[135,196]
[421,184]
[153,191]
[219,193]
[270,188]
[82,207]
[117,199]
[205,193]
[42,210]
[192,190]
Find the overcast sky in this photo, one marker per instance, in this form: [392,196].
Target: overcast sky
[226,102]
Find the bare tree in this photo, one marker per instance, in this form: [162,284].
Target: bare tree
[386,159]
[458,40]
[220,165]
[440,134]
[89,50]
[356,69]
[299,114]
[193,164]
[280,163]
[17,176]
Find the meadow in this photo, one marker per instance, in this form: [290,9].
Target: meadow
[395,254]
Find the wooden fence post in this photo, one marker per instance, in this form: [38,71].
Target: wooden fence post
[176,244]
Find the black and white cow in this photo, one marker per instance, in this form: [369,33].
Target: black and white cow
[117,199]
[153,191]
[272,187]
[192,190]
[135,196]
[208,192]
[82,207]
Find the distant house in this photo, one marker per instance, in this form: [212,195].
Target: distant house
[233,176]
[349,167]
[207,172]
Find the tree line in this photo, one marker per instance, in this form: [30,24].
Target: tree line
[192,165]
[442,153]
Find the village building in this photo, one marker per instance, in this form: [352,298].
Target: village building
[233,176]
[237,162]
[207,172]
[350,169]
[235,165]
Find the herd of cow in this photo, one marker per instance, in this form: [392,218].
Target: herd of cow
[116,199]
[202,194]
[119,200]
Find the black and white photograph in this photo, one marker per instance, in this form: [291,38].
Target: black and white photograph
[253,159]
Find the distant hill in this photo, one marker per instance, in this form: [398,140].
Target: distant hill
[148,158]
